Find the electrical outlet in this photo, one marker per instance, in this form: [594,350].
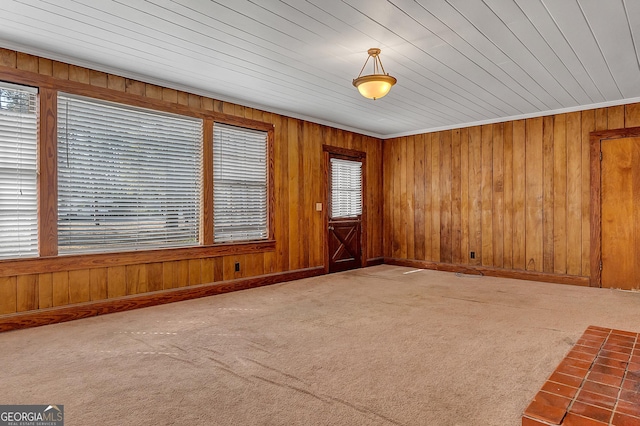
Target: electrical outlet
[237,266]
[472,255]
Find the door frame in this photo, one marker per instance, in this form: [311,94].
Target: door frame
[345,154]
[595,140]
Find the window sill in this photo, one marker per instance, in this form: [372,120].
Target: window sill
[71,262]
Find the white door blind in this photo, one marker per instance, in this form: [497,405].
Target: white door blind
[18,148]
[346,188]
[128,178]
[239,183]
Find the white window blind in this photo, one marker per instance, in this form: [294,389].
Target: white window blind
[239,183]
[18,148]
[346,188]
[128,178]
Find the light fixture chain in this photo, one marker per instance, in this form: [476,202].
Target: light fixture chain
[363,67]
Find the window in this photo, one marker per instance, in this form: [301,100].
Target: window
[239,183]
[128,178]
[18,149]
[346,188]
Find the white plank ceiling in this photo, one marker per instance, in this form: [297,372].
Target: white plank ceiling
[458,62]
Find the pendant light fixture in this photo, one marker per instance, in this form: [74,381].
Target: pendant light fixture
[376,85]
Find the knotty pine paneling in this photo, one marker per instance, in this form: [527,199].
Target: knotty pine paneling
[498,195]
[298,185]
[445,197]
[403,210]
[436,197]
[207,271]
[27,292]
[515,193]
[409,207]
[574,193]
[45,290]
[507,189]
[79,286]
[116,281]
[60,287]
[26,62]
[456,198]
[533,198]
[547,197]
[475,196]
[98,281]
[464,195]
[419,198]
[487,190]
[559,250]
[518,211]
[8,295]
[136,279]
[155,276]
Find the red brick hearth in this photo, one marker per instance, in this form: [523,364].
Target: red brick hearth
[596,384]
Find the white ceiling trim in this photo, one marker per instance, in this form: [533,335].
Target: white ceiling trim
[517,117]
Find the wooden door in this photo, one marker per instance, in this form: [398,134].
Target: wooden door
[344,245]
[345,201]
[620,204]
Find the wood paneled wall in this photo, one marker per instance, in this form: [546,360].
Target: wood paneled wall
[299,229]
[515,193]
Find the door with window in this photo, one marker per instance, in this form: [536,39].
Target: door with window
[344,225]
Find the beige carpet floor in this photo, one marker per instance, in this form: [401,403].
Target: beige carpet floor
[376,346]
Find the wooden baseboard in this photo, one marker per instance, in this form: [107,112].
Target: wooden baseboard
[85,310]
[491,272]
[375,261]
[91,309]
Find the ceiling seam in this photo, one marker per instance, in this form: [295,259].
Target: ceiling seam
[503,52]
[537,59]
[613,77]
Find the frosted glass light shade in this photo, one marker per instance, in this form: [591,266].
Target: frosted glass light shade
[374,86]
[377,84]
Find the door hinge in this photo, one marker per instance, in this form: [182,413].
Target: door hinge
[600,155]
[601,266]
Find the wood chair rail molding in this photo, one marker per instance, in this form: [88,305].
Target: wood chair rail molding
[596,140]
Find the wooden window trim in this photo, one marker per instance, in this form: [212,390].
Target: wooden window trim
[47,173]
[348,154]
[271,183]
[206,205]
[48,260]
